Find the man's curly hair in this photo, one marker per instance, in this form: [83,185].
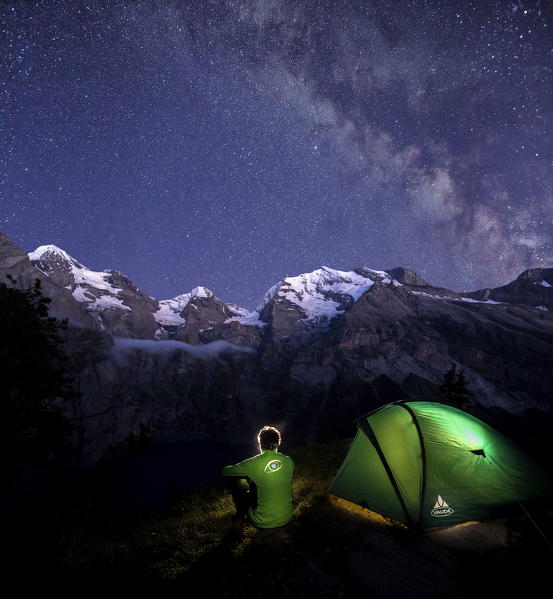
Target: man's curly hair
[268,438]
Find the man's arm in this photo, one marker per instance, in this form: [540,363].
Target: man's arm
[240,469]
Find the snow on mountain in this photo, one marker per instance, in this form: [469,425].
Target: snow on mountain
[244,316]
[170,309]
[474,301]
[431,295]
[325,292]
[237,310]
[454,298]
[247,318]
[544,283]
[107,302]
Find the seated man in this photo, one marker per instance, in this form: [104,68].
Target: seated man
[262,487]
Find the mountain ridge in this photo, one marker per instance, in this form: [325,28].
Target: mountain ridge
[320,295]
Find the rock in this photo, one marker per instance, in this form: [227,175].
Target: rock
[407,277]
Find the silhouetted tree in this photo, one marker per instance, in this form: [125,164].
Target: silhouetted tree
[454,389]
[33,382]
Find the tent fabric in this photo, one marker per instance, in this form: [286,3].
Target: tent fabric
[430,464]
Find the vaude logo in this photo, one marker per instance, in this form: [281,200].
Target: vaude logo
[441,508]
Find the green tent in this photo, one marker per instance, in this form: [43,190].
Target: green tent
[429,464]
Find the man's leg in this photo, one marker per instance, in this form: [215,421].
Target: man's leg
[241,495]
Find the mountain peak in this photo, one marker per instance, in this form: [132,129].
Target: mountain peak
[406,276]
[537,274]
[201,292]
[43,250]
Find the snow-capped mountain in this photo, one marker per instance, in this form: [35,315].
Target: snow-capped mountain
[114,301]
[200,317]
[97,289]
[170,311]
[325,293]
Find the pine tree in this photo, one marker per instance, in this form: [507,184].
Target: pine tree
[454,389]
[34,384]
[447,388]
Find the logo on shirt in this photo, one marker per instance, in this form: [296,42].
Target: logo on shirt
[441,508]
[273,466]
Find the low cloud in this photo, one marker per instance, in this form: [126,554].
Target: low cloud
[123,347]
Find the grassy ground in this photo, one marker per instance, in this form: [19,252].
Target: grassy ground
[330,549]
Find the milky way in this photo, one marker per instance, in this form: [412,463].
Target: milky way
[229,144]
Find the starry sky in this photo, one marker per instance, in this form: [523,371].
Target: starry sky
[232,143]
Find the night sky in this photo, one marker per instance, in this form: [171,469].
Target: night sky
[229,144]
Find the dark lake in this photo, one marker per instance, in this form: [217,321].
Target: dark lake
[146,478]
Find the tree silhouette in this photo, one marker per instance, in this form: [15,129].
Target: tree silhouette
[33,382]
[454,389]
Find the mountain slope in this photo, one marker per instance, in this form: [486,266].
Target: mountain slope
[394,344]
[533,287]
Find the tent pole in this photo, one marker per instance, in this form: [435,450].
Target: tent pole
[423,456]
[367,429]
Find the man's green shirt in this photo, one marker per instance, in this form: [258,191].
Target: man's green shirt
[271,472]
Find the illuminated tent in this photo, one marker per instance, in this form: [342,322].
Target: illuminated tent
[429,464]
